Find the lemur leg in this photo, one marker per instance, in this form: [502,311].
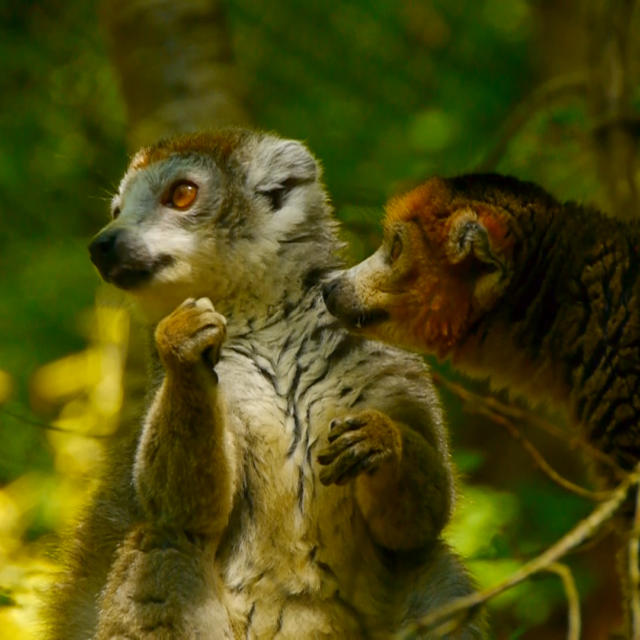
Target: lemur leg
[401,485]
[163,583]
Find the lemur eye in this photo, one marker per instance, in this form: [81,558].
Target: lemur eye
[396,248]
[182,195]
[115,212]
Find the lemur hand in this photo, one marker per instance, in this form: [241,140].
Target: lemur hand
[358,443]
[192,334]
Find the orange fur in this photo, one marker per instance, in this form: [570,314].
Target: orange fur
[223,142]
[435,306]
[432,196]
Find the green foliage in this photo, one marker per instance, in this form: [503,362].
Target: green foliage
[393,92]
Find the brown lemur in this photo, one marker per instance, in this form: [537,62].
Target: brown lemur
[497,275]
[298,490]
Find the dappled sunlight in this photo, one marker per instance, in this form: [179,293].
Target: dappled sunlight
[482,532]
[87,386]
[481,514]
[6,386]
[25,570]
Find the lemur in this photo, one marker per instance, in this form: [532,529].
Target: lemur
[497,275]
[289,480]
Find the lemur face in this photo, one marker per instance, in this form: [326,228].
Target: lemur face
[443,263]
[208,215]
[158,217]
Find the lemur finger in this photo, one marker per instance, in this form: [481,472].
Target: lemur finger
[189,302]
[185,341]
[204,303]
[187,320]
[345,466]
[211,353]
[337,446]
[202,320]
[210,336]
[369,465]
[338,426]
[373,462]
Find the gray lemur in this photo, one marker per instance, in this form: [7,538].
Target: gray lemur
[298,490]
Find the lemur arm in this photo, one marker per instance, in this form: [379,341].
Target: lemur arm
[163,577]
[403,483]
[407,500]
[184,468]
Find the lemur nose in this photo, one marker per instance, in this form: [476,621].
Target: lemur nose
[103,250]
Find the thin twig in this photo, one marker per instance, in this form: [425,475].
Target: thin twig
[561,87]
[47,426]
[476,403]
[569,541]
[544,466]
[634,573]
[573,598]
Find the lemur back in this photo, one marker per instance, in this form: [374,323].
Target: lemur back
[289,479]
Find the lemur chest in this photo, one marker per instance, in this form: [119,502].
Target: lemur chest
[278,415]
[290,537]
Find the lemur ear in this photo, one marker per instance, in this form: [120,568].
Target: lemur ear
[293,158]
[469,236]
[282,164]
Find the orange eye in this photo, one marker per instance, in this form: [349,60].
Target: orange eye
[182,195]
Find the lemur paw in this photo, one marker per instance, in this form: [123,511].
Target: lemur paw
[192,333]
[358,443]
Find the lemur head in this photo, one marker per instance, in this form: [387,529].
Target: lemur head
[448,255]
[238,216]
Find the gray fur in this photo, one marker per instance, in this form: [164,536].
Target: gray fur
[297,559]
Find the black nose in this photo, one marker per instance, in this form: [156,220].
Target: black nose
[343,302]
[123,259]
[103,250]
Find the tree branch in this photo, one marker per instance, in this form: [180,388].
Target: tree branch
[47,426]
[544,466]
[493,408]
[585,528]
[175,65]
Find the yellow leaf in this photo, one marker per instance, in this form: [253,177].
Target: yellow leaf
[6,386]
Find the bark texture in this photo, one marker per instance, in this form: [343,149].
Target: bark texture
[175,65]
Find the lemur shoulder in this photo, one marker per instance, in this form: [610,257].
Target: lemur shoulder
[508,282]
[290,479]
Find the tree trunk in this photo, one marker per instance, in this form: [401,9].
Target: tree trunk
[614,129]
[175,65]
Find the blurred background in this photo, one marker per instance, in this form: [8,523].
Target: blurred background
[385,93]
